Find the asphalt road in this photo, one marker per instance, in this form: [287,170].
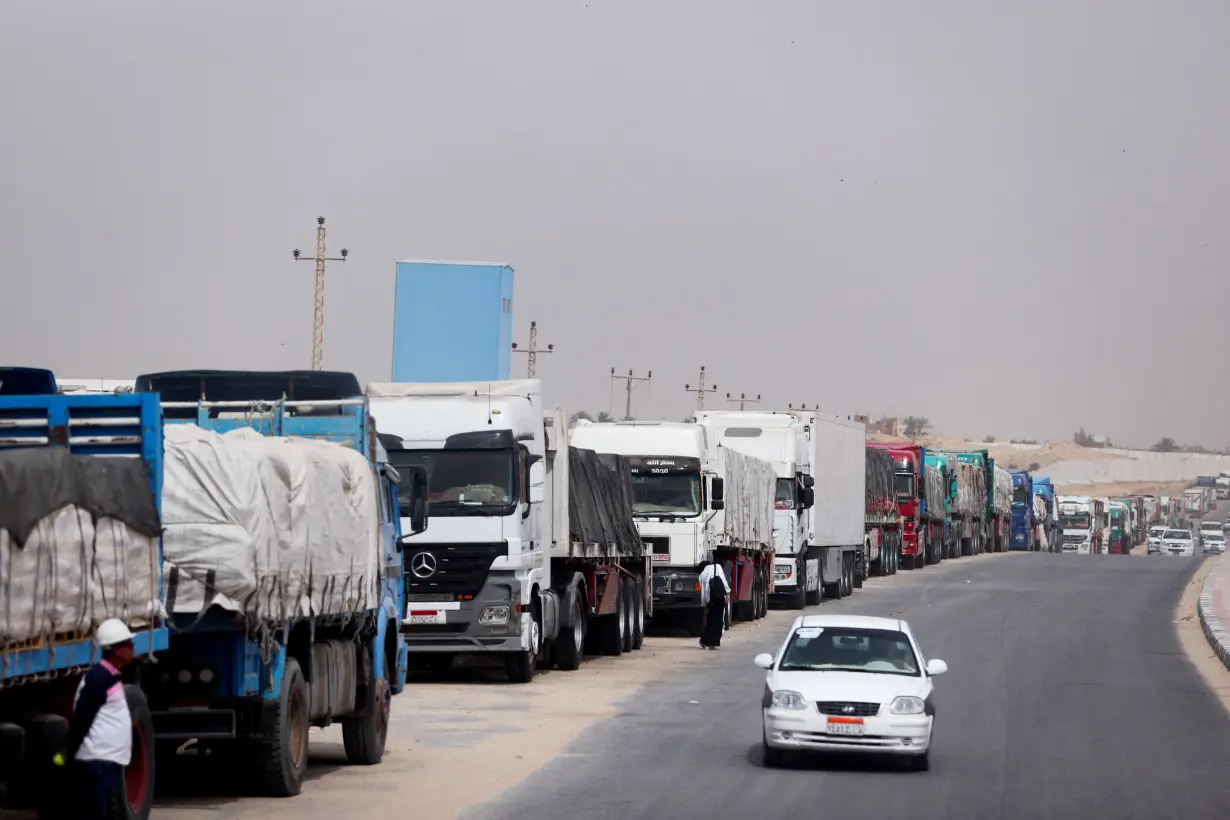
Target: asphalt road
[1067,696]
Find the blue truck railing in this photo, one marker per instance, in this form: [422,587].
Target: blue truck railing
[104,426]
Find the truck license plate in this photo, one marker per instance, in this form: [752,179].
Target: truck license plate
[661,557]
[425,616]
[845,726]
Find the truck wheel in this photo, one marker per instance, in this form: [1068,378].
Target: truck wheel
[628,595]
[364,735]
[860,563]
[612,627]
[799,599]
[134,800]
[282,762]
[836,589]
[570,645]
[694,621]
[638,615]
[521,666]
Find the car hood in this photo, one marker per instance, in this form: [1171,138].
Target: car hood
[867,687]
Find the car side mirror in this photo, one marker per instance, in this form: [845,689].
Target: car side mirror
[538,478]
[717,493]
[809,498]
[418,499]
[764,660]
[935,666]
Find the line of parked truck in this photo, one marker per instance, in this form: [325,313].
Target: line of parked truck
[287,546]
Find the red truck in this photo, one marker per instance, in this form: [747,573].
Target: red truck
[922,509]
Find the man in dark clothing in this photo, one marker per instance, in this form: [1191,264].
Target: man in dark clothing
[714,592]
[99,740]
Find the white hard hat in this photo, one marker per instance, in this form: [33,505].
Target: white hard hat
[112,632]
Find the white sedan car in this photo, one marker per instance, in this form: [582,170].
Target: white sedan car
[849,684]
[1155,539]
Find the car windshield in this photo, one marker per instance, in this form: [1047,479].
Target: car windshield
[1178,535]
[1215,536]
[1157,532]
[844,649]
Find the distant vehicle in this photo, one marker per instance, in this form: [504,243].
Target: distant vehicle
[1211,525]
[849,684]
[1155,539]
[1214,543]
[1178,542]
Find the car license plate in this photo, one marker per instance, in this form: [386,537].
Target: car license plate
[661,557]
[425,616]
[845,726]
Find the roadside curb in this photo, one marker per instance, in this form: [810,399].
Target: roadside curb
[1214,602]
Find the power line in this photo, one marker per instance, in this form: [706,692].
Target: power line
[700,390]
[630,382]
[318,312]
[531,368]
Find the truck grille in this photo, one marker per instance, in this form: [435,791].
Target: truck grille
[839,707]
[459,569]
[1073,539]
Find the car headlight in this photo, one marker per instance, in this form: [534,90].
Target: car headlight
[785,699]
[908,705]
[493,615]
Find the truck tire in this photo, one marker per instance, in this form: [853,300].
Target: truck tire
[281,763]
[522,666]
[638,614]
[798,599]
[836,589]
[136,797]
[365,735]
[860,564]
[694,622]
[611,628]
[629,596]
[570,645]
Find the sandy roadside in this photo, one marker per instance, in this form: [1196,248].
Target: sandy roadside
[1196,644]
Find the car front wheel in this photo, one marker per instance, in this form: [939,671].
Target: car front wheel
[772,757]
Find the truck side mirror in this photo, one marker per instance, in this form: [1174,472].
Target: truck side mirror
[537,490]
[418,499]
[717,490]
[809,498]
[808,481]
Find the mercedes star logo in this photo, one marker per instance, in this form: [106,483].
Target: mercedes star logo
[849,710]
[423,565]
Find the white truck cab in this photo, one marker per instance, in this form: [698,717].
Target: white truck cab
[473,576]
[1081,520]
[672,489]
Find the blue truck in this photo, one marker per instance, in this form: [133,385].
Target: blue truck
[1023,525]
[225,676]
[452,322]
[1045,490]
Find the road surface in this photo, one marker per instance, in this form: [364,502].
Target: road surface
[1068,696]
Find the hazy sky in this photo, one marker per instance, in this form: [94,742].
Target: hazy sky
[1008,216]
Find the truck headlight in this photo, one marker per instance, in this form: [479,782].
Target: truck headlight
[494,615]
[908,705]
[785,699]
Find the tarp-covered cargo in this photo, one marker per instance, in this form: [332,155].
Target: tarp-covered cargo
[78,543]
[971,490]
[934,492]
[600,502]
[750,490]
[270,527]
[838,518]
[1002,502]
[880,498]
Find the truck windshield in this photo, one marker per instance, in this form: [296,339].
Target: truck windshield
[1075,522]
[785,494]
[460,480]
[903,484]
[1020,494]
[672,492]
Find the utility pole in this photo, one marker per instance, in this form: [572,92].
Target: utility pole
[318,313]
[743,400]
[630,381]
[531,368]
[700,390]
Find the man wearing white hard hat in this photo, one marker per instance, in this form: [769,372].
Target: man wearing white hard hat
[100,732]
